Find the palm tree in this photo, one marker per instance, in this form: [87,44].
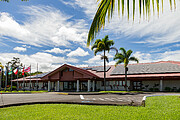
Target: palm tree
[124,57]
[108,6]
[103,46]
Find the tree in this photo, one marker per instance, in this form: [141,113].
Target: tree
[1,66]
[108,6]
[124,57]
[103,46]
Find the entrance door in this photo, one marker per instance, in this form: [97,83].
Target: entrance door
[137,85]
[69,86]
[83,86]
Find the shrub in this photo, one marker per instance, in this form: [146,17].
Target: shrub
[168,89]
[151,89]
[154,89]
[178,90]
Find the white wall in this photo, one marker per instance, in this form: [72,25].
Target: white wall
[166,83]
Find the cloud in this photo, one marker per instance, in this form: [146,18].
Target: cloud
[95,61]
[78,52]
[57,50]
[43,25]
[155,57]
[20,49]
[89,6]
[46,61]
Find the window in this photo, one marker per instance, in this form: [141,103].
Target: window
[102,83]
[65,70]
[71,69]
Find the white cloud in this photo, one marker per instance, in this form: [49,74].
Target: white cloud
[57,50]
[20,49]
[89,6]
[95,61]
[155,57]
[43,25]
[46,62]
[78,52]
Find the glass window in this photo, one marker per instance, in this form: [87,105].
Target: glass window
[66,85]
[71,69]
[123,82]
[102,83]
[120,83]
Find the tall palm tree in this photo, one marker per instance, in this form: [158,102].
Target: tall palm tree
[103,46]
[124,57]
[106,7]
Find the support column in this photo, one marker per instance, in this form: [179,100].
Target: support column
[161,85]
[93,85]
[89,85]
[49,86]
[58,86]
[77,86]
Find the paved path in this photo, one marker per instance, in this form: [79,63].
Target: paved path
[102,99]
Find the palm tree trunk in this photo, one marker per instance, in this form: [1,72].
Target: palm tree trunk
[126,78]
[104,72]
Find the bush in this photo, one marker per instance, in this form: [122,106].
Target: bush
[168,89]
[154,89]
[13,88]
[151,89]
[178,90]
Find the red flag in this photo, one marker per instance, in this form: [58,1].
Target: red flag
[16,71]
[23,71]
[27,69]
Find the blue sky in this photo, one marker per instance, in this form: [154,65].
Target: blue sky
[54,32]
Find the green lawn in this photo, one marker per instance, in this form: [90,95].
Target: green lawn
[20,91]
[161,108]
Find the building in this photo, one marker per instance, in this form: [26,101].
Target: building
[158,76]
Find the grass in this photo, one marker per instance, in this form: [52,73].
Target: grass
[161,108]
[20,91]
[121,91]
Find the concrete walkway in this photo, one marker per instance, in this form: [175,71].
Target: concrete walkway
[134,99]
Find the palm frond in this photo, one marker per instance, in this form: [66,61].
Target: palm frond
[119,56]
[129,52]
[105,57]
[134,59]
[118,62]
[106,7]
[128,8]
[113,48]
[133,9]
[123,51]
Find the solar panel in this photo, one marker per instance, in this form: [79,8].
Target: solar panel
[101,69]
[38,76]
[147,68]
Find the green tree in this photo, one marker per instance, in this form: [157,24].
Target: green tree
[124,57]
[103,46]
[1,66]
[106,7]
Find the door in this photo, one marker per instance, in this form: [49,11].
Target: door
[137,85]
